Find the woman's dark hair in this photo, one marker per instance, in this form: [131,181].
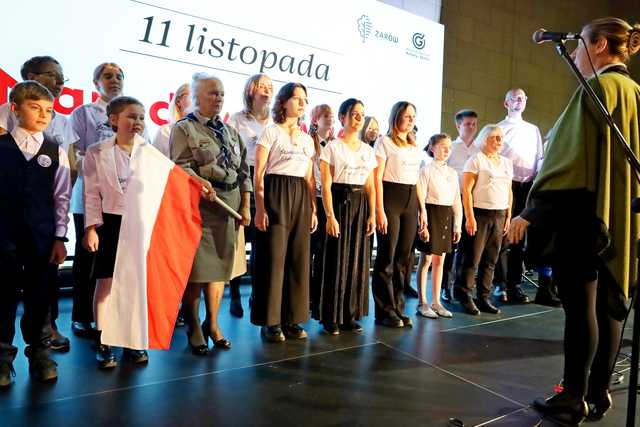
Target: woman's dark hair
[284,94]
[346,107]
[117,106]
[433,141]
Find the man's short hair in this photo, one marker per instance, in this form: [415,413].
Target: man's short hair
[34,65]
[465,113]
[29,90]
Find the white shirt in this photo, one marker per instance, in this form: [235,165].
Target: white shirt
[30,145]
[460,154]
[59,130]
[493,182]
[440,185]
[523,145]
[161,141]
[402,164]
[123,170]
[250,131]
[349,166]
[287,155]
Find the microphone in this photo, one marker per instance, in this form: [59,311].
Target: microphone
[543,35]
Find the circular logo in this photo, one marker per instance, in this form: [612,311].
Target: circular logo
[418,40]
[44,160]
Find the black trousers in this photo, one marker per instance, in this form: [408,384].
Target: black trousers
[84,285]
[24,265]
[509,268]
[480,252]
[593,303]
[391,267]
[281,283]
[317,250]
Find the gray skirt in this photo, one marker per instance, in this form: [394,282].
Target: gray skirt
[214,258]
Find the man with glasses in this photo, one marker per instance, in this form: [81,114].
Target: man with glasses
[523,145]
[47,71]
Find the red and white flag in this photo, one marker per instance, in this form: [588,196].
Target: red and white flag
[159,235]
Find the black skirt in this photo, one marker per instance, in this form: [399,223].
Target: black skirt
[105,256]
[440,219]
[344,293]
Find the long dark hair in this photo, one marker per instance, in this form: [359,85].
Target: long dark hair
[284,94]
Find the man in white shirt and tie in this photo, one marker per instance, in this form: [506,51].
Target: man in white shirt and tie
[523,145]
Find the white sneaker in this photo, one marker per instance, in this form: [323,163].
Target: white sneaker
[425,311]
[441,311]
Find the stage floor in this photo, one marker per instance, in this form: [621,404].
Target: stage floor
[482,370]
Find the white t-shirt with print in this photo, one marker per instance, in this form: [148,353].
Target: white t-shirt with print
[350,167]
[493,184]
[402,164]
[287,155]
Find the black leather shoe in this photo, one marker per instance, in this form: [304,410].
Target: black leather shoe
[485,306]
[7,373]
[352,326]
[406,321]
[222,344]
[136,357]
[105,357]
[563,407]
[392,321]
[445,295]
[294,331]
[517,296]
[235,308]
[83,330]
[42,367]
[58,342]
[470,307]
[272,333]
[331,328]
[197,349]
[410,292]
[547,294]
[598,405]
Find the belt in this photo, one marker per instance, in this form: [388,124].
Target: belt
[223,186]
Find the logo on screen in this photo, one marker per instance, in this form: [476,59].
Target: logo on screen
[418,41]
[364,27]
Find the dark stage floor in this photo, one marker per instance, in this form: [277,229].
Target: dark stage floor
[482,370]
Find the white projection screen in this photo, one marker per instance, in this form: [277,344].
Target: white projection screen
[337,48]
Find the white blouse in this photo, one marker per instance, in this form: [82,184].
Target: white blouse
[287,155]
[493,183]
[402,164]
[440,185]
[250,131]
[350,167]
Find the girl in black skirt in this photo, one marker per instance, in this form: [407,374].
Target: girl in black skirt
[348,196]
[441,191]
[398,212]
[106,175]
[285,213]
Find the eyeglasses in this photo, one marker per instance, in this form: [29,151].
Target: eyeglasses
[59,78]
[518,98]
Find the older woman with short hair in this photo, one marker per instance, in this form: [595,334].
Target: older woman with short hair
[215,155]
[486,197]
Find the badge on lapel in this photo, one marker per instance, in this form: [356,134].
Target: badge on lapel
[44,160]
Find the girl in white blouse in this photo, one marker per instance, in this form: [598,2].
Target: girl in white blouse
[486,197]
[398,212]
[348,195]
[439,186]
[285,214]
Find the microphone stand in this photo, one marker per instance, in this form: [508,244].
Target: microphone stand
[635,164]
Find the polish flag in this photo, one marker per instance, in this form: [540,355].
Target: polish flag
[159,235]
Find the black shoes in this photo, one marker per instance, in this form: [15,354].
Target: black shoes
[272,333]
[41,366]
[331,328]
[517,296]
[484,305]
[294,331]
[105,357]
[197,349]
[469,306]
[352,326]
[406,321]
[392,321]
[235,308]
[410,292]
[599,404]
[7,373]
[547,293]
[221,343]
[58,342]
[136,357]
[500,294]
[84,330]
[563,407]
